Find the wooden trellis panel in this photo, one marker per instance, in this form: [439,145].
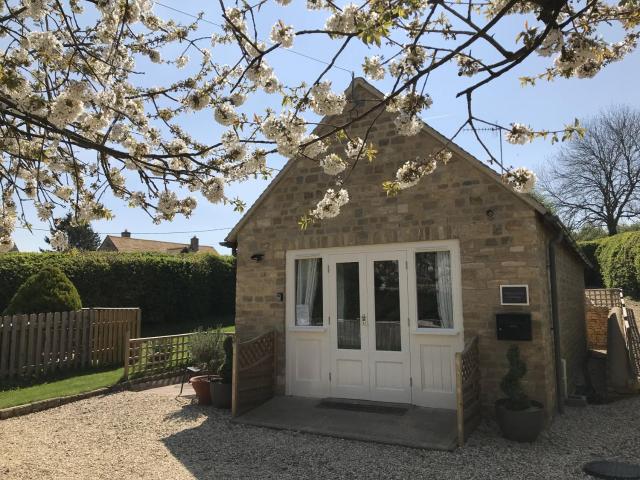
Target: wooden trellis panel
[604,297]
[468,389]
[254,363]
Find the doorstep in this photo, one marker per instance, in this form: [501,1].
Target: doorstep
[379,422]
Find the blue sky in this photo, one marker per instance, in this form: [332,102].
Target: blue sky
[547,105]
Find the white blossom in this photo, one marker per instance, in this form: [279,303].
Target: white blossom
[182,61]
[344,21]
[283,34]
[332,164]
[552,43]
[372,68]
[225,114]
[330,205]
[168,204]
[467,66]
[59,241]
[316,4]
[407,125]
[213,190]
[324,101]
[353,147]
[521,179]
[519,134]
[443,156]
[315,149]
[410,173]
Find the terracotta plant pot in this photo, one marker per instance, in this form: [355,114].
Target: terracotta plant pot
[221,394]
[201,384]
[520,425]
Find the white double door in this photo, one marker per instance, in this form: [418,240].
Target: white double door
[369,327]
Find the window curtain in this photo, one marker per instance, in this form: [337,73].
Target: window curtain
[306,283]
[443,283]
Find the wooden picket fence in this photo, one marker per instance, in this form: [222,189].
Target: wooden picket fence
[468,389]
[45,343]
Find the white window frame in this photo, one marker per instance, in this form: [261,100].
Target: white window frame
[291,292]
[453,247]
[526,286]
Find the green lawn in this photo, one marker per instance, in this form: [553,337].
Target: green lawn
[60,388]
[68,383]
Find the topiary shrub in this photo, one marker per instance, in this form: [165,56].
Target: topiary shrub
[226,369]
[49,290]
[511,384]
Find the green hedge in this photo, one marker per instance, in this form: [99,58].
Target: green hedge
[593,277]
[166,287]
[617,261]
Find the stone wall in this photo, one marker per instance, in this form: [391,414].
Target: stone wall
[596,323]
[571,313]
[502,241]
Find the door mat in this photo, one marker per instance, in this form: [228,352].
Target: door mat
[362,407]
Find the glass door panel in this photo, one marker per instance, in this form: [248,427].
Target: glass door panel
[387,305]
[348,303]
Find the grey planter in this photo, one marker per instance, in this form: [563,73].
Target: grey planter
[520,425]
[221,394]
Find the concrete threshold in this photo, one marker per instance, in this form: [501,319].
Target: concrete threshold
[386,423]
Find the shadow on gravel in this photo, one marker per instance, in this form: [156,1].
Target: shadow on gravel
[210,449]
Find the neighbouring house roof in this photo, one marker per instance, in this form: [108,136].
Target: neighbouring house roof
[549,217]
[10,247]
[129,244]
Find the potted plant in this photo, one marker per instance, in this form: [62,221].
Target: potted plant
[221,388]
[519,418]
[207,354]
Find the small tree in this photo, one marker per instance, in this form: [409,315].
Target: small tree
[49,290]
[517,399]
[595,180]
[79,235]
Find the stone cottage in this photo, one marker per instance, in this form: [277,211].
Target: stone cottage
[374,304]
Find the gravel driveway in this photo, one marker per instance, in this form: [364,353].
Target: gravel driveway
[134,435]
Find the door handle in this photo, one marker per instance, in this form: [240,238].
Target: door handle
[363,318]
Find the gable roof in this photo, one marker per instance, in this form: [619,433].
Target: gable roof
[129,244]
[549,217]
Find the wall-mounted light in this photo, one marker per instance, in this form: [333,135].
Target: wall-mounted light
[490,214]
[257,257]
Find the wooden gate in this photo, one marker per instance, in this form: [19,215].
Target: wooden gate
[254,363]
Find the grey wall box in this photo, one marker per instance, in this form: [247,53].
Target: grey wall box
[513,326]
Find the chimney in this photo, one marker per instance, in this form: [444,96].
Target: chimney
[126,234]
[195,244]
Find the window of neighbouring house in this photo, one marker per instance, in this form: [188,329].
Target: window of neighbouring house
[433,288]
[309,292]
